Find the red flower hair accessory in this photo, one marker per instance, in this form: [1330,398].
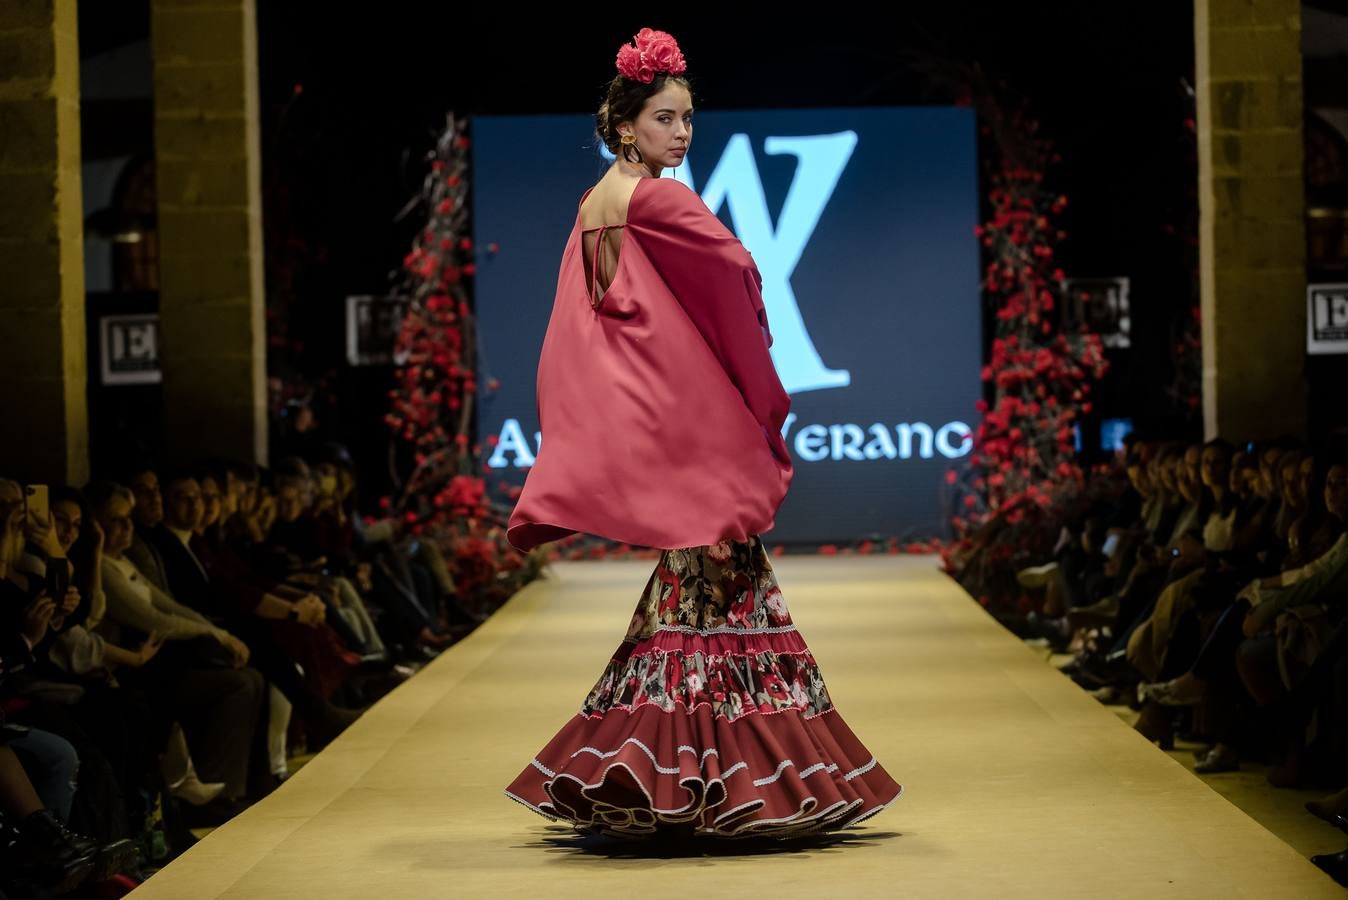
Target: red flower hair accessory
[654,51]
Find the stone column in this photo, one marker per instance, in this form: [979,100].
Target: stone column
[208,163]
[43,370]
[1252,216]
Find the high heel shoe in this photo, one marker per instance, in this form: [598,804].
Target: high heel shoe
[1156,724]
[1220,759]
[435,640]
[1175,692]
[195,791]
[1329,808]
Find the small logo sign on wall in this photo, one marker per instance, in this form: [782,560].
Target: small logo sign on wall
[129,349]
[1327,318]
[1101,305]
[372,326]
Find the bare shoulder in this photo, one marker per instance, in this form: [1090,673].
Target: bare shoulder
[609,200]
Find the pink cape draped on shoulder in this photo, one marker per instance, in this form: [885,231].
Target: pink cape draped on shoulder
[660,410]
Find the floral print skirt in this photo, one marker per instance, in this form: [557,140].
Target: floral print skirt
[711,719]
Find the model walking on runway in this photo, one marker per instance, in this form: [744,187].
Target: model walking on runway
[662,416]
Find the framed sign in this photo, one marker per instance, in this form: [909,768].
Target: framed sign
[1326,318]
[1101,304]
[129,349]
[372,325]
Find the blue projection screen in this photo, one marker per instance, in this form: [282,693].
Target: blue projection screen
[861,222]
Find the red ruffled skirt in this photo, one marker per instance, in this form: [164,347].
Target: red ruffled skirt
[712,717]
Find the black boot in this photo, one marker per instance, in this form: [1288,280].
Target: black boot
[1335,865]
[45,855]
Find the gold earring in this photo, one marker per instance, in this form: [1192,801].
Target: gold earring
[629,139]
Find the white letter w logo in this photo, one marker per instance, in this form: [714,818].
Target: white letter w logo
[736,181]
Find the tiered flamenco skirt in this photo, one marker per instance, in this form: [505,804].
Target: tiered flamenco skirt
[711,719]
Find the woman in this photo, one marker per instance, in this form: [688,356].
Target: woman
[712,717]
[201,678]
[37,768]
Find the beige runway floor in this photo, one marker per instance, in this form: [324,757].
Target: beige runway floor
[1016,783]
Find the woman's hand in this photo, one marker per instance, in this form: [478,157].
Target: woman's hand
[311,611]
[70,601]
[44,535]
[235,646]
[148,649]
[37,618]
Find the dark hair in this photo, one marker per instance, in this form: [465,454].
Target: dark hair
[291,467]
[623,103]
[67,494]
[80,555]
[135,468]
[170,475]
[98,493]
[1209,503]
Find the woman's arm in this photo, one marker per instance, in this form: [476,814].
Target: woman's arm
[718,285]
[1326,579]
[98,601]
[153,611]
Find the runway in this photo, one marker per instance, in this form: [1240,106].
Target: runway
[1016,783]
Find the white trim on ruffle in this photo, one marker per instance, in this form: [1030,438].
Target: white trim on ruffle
[647,750]
[719,629]
[702,761]
[631,709]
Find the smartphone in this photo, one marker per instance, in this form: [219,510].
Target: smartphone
[37,503]
[58,580]
[1111,545]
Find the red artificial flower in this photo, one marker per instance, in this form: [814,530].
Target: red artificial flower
[654,51]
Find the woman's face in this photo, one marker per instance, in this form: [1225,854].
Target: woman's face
[1268,472]
[247,497]
[1336,491]
[1291,484]
[115,519]
[69,520]
[1188,476]
[1166,472]
[1306,476]
[289,501]
[346,483]
[210,502]
[325,478]
[664,127]
[229,499]
[1216,468]
[1244,475]
[1140,479]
